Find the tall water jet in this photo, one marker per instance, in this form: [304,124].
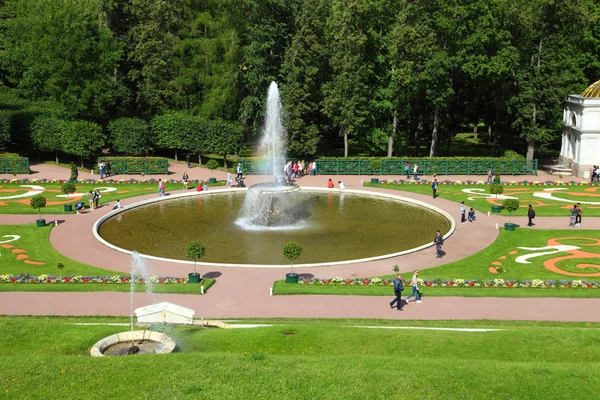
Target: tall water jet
[268,205]
[272,143]
[139,269]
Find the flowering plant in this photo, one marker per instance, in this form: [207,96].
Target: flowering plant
[114,279]
[437,282]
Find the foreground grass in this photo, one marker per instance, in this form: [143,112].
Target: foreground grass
[47,358]
[36,243]
[543,207]
[56,204]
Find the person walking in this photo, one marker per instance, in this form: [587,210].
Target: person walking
[439,241]
[185,180]
[416,172]
[434,186]
[573,215]
[229,180]
[91,199]
[578,216]
[463,217]
[398,288]
[97,196]
[407,170]
[414,283]
[490,175]
[187,159]
[101,169]
[238,170]
[530,215]
[159,193]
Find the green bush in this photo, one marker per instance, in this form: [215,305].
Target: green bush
[137,165]
[496,189]
[511,205]
[291,251]
[212,165]
[195,250]
[427,165]
[131,136]
[68,188]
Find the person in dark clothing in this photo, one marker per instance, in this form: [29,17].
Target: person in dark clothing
[530,215]
[398,288]
[439,241]
[187,159]
[434,186]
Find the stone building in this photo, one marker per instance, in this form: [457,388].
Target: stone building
[580,148]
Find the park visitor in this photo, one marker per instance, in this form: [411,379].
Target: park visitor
[398,288]
[414,283]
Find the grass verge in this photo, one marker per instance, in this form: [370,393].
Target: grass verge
[47,358]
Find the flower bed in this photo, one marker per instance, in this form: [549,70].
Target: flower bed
[534,283]
[123,279]
[473,182]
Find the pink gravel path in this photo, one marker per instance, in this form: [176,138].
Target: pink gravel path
[244,292]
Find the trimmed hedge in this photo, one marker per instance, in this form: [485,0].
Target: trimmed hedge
[14,165]
[137,165]
[427,166]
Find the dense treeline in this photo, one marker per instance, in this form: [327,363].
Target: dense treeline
[358,76]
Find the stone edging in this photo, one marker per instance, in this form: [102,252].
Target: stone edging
[308,188]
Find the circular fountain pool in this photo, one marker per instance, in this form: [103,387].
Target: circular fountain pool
[330,226]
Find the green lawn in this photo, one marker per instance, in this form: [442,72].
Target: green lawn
[542,206]
[110,193]
[48,358]
[35,241]
[477,266]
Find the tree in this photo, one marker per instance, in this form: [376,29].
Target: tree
[38,202]
[62,49]
[305,69]
[224,137]
[291,251]
[346,96]
[46,134]
[375,166]
[173,130]
[82,138]
[195,250]
[511,205]
[131,136]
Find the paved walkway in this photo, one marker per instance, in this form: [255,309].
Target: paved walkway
[244,292]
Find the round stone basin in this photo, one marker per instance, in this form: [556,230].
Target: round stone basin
[148,342]
[331,227]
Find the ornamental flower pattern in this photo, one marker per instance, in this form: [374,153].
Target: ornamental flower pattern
[114,279]
[437,282]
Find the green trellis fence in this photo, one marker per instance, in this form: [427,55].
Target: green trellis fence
[427,166]
[14,165]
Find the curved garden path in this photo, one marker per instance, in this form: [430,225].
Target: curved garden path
[244,292]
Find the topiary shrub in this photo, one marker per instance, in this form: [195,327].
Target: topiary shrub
[375,166]
[292,251]
[212,165]
[68,188]
[496,189]
[195,250]
[38,202]
[511,205]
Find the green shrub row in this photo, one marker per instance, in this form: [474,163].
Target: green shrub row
[14,165]
[137,165]
[427,166]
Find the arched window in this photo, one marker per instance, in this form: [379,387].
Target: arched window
[573,119]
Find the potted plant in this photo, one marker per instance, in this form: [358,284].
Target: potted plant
[496,189]
[375,166]
[60,266]
[212,165]
[38,202]
[68,188]
[510,205]
[291,251]
[196,251]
